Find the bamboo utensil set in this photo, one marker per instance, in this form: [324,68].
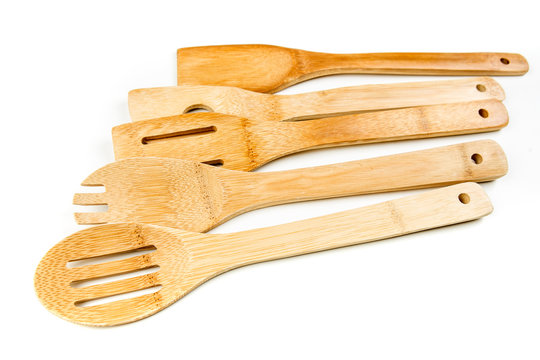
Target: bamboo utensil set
[180,174]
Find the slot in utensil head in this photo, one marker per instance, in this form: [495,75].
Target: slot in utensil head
[203,137]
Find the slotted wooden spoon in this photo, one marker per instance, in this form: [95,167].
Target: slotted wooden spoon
[186,259]
[197,197]
[267,68]
[152,103]
[245,144]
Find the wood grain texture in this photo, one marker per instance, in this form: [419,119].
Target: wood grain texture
[187,259]
[268,69]
[246,144]
[153,103]
[197,197]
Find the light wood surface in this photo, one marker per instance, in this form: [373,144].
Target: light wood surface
[267,68]
[197,197]
[158,102]
[187,259]
[246,144]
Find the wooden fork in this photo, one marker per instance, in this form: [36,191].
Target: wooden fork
[267,68]
[246,144]
[152,103]
[197,197]
[184,260]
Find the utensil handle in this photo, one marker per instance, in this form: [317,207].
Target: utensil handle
[483,63]
[391,125]
[478,161]
[152,103]
[356,99]
[431,209]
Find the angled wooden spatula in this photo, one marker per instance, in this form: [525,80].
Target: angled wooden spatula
[245,144]
[267,68]
[168,263]
[197,197]
[152,103]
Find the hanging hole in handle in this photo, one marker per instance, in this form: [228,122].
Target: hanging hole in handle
[464,198]
[477,158]
[505,61]
[480,88]
[483,113]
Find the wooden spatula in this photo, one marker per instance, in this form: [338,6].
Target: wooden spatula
[245,144]
[197,197]
[152,103]
[266,68]
[184,260]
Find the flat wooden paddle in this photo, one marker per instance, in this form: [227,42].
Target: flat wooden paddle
[245,144]
[152,103]
[267,68]
[197,197]
[179,261]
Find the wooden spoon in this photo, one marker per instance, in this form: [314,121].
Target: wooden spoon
[185,260]
[152,103]
[266,68]
[246,144]
[197,197]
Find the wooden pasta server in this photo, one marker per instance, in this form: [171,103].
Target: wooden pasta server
[246,144]
[152,103]
[168,263]
[268,69]
[197,197]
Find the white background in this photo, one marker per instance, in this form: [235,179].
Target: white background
[466,292]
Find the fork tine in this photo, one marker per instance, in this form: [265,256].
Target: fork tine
[90,199]
[94,179]
[111,268]
[92,218]
[117,287]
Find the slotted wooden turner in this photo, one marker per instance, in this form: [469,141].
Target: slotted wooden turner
[246,144]
[152,103]
[197,197]
[187,259]
[267,68]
